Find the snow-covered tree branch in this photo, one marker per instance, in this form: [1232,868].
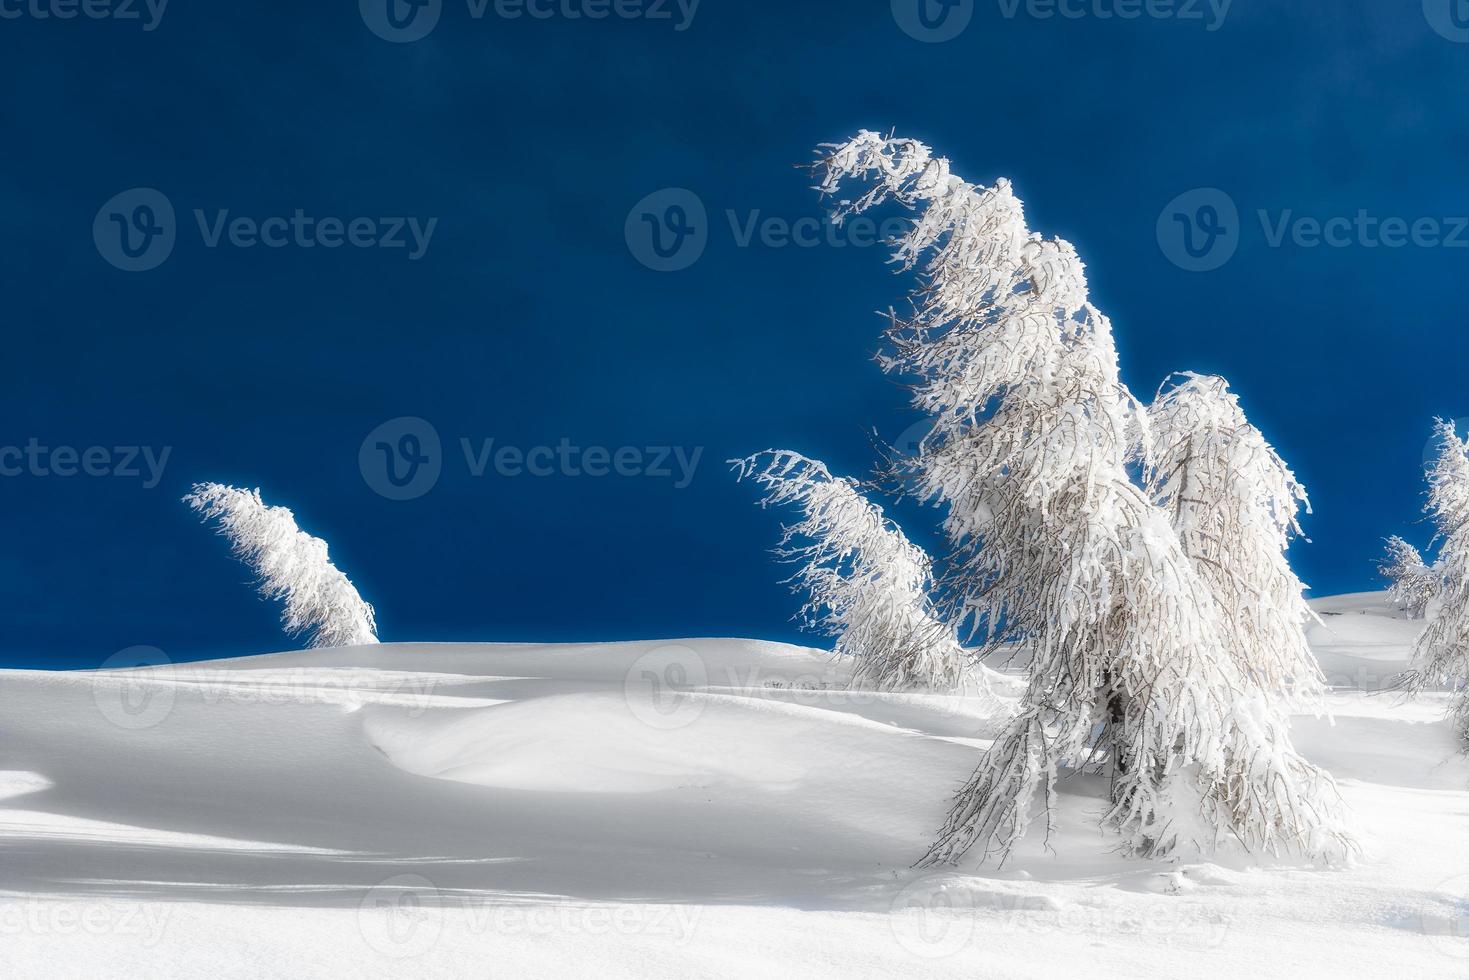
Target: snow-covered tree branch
[291,565]
[1441,653]
[866,584]
[1235,504]
[1056,546]
[1412,583]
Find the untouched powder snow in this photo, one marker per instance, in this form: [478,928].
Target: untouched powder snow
[680,809]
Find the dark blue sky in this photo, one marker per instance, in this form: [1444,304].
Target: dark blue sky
[529,320]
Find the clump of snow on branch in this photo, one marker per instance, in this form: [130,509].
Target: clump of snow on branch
[1412,583]
[1056,547]
[1235,505]
[866,584]
[1441,652]
[292,566]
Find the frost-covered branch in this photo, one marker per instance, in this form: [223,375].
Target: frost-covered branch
[865,583]
[291,565]
[1441,653]
[1412,583]
[1235,504]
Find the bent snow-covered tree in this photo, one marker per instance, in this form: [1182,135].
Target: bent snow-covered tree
[292,566]
[1441,652]
[1412,583]
[1054,544]
[1235,505]
[866,584]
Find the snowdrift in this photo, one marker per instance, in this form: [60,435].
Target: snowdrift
[681,808]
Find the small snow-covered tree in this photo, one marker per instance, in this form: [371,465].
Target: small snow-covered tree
[1235,505]
[865,583]
[1412,584]
[292,566]
[1054,544]
[1441,652]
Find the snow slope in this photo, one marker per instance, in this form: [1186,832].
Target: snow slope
[1362,641]
[681,809]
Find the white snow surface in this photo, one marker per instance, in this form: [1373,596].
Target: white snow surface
[692,808]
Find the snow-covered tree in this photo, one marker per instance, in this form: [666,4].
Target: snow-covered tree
[1235,505]
[865,583]
[1441,652]
[1057,547]
[291,565]
[1412,583]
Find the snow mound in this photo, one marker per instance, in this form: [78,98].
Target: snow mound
[593,743]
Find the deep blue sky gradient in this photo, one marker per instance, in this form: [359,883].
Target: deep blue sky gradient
[529,320]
